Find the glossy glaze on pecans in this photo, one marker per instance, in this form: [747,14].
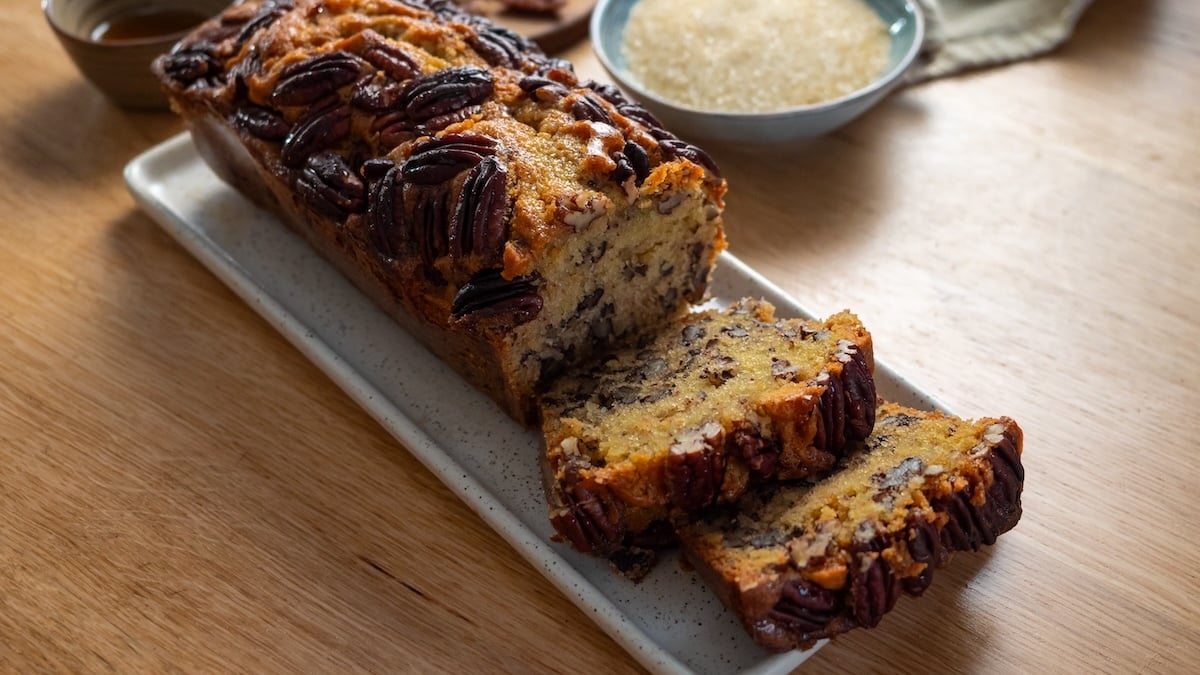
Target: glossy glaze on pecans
[387,78]
[588,519]
[696,467]
[543,89]
[479,223]
[439,122]
[608,92]
[388,57]
[194,66]
[1008,477]
[759,455]
[330,186]
[488,294]
[387,224]
[874,592]
[376,95]
[805,608]
[847,406]
[393,128]
[321,129]
[445,91]
[924,547]
[262,123]
[973,525]
[810,612]
[589,522]
[430,212]
[632,167]
[315,78]
[267,14]
[638,159]
[587,108]
[501,47]
[673,147]
[441,159]
[645,118]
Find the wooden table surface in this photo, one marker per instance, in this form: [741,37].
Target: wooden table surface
[182,490]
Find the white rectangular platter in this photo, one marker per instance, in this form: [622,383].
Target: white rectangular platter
[669,622]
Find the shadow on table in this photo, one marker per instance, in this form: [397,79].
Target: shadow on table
[249,498]
[73,134]
[1116,28]
[820,193]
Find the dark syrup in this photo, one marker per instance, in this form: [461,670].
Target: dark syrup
[149,23]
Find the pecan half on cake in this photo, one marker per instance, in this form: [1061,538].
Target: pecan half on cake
[691,416]
[510,215]
[798,563]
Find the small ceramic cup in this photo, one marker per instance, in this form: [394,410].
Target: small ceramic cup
[120,66]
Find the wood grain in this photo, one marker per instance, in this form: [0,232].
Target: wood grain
[180,490]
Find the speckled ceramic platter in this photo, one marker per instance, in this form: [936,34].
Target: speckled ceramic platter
[669,622]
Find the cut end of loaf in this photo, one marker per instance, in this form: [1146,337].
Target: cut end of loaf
[715,401]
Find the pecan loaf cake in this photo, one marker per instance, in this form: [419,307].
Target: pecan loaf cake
[511,216]
[798,563]
[694,413]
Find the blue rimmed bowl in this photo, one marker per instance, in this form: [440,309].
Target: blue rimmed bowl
[906,27]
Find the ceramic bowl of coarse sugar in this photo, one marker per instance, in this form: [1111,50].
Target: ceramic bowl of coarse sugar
[773,71]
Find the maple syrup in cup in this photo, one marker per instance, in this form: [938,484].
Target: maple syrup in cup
[113,42]
[145,23]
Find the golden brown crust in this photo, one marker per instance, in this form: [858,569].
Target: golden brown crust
[452,170]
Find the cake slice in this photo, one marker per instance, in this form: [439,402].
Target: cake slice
[690,416]
[804,562]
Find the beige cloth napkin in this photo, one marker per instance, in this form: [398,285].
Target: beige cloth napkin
[964,34]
